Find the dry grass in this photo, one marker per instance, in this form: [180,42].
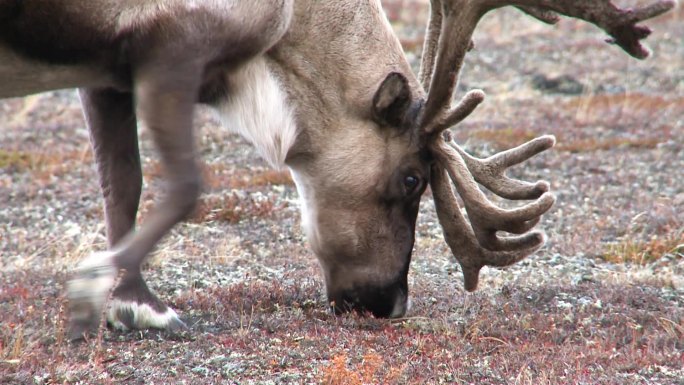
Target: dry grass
[644,252]
[222,176]
[597,144]
[232,208]
[616,114]
[218,177]
[371,370]
[502,139]
[15,160]
[593,108]
[45,165]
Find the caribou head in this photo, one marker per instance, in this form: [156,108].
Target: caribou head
[361,191]
[372,138]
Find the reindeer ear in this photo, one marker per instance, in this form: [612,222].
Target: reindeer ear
[392,100]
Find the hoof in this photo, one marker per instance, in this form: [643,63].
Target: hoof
[127,315]
[132,305]
[87,292]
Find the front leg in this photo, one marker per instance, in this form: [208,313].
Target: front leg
[165,100]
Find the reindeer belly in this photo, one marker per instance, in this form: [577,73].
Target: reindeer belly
[21,76]
[53,44]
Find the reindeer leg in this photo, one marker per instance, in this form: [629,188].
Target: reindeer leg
[113,134]
[165,101]
[111,119]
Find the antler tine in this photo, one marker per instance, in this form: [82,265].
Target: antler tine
[490,172]
[453,116]
[429,54]
[485,217]
[458,113]
[541,14]
[461,238]
[446,52]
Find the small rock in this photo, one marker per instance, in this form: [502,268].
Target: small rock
[201,370]
[564,84]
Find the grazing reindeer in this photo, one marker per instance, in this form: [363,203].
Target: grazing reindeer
[320,86]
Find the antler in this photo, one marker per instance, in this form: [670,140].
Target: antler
[452,23]
[461,238]
[486,218]
[447,40]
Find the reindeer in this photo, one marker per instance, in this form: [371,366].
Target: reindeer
[322,87]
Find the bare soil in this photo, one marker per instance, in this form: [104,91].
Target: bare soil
[602,303]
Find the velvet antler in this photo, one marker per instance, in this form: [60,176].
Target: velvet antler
[477,242]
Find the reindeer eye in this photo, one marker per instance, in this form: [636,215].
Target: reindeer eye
[411,182]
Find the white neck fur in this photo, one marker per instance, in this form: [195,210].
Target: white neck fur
[256,108]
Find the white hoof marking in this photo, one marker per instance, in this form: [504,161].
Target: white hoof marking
[143,316]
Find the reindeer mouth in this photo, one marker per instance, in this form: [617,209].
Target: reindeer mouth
[382,302]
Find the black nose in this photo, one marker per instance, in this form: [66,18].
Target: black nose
[382,301]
